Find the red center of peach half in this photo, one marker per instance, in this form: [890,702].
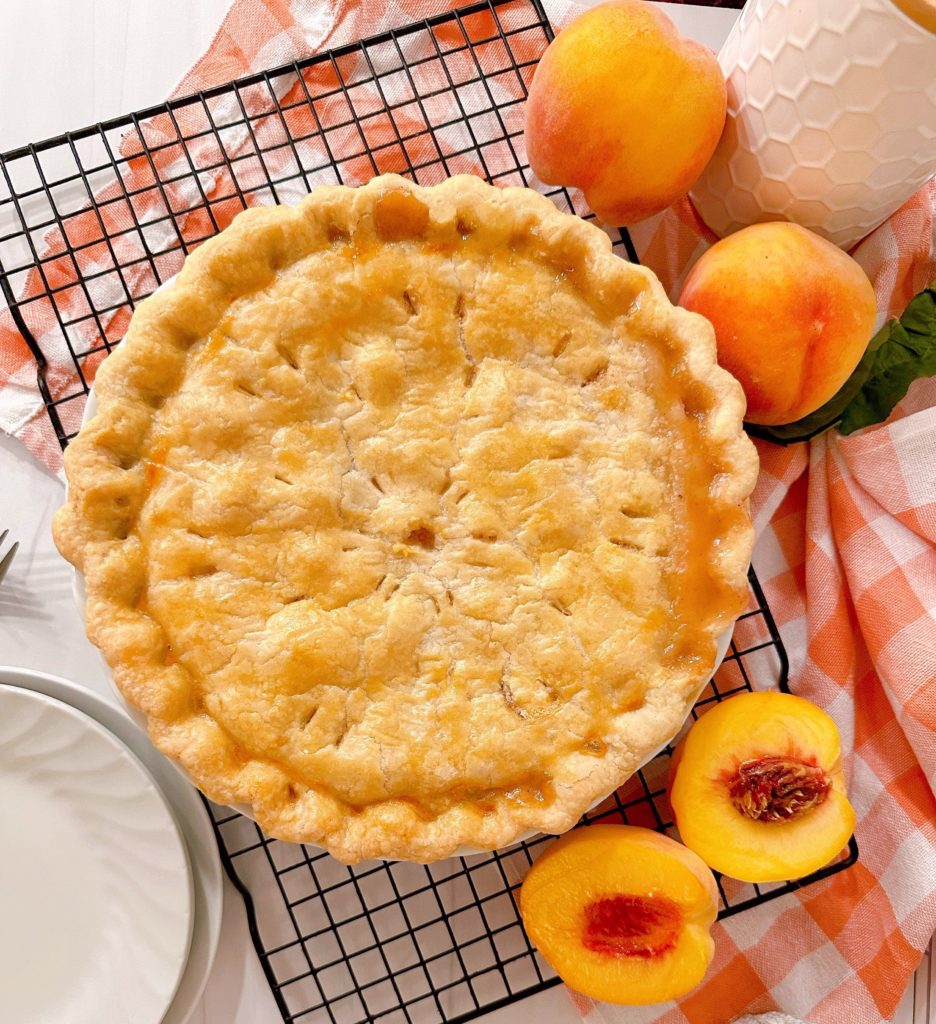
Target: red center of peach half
[630,925]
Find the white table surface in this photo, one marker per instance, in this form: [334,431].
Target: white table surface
[64,64]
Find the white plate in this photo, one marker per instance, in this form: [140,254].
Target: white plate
[95,888]
[191,817]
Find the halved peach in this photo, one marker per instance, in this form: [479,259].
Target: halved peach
[757,788]
[621,913]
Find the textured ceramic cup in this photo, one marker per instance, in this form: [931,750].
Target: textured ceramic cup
[831,115]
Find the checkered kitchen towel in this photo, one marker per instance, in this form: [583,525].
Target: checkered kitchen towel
[847,528]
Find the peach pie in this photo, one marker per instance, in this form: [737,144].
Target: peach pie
[410,516]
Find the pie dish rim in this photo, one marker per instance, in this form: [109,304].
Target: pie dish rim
[79,592]
[724,423]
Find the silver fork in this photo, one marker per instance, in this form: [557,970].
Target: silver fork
[7,559]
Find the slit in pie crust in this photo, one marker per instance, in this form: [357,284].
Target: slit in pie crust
[409,516]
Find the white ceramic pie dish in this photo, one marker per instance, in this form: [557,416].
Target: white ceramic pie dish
[190,816]
[723,644]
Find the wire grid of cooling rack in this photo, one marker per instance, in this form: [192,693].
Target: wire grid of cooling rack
[91,222]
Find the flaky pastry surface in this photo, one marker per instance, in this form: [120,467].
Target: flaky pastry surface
[410,516]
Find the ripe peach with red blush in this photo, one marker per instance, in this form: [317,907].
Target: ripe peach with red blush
[624,108]
[792,313]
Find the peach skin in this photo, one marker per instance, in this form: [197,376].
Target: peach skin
[792,314]
[621,913]
[757,788]
[624,108]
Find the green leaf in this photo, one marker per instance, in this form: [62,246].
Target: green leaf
[901,351]
[908,354]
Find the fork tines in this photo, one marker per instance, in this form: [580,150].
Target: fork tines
[8,557]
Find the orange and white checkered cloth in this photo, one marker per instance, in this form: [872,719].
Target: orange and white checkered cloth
[847,528]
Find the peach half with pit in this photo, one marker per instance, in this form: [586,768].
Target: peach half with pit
[757,788]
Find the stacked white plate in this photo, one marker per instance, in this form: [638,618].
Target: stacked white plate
[110,884]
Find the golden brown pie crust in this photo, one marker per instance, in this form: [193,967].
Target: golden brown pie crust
[410,516]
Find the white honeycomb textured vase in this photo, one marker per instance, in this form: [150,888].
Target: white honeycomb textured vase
[831,117]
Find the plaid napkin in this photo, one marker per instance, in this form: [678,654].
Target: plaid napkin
[847,528]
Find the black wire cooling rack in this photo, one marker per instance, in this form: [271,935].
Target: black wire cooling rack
[93,221]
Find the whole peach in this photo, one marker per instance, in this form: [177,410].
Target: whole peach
[793,315]
[624,108]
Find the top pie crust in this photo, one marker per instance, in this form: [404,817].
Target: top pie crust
[410,516]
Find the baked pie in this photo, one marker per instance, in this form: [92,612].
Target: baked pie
[410,516]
